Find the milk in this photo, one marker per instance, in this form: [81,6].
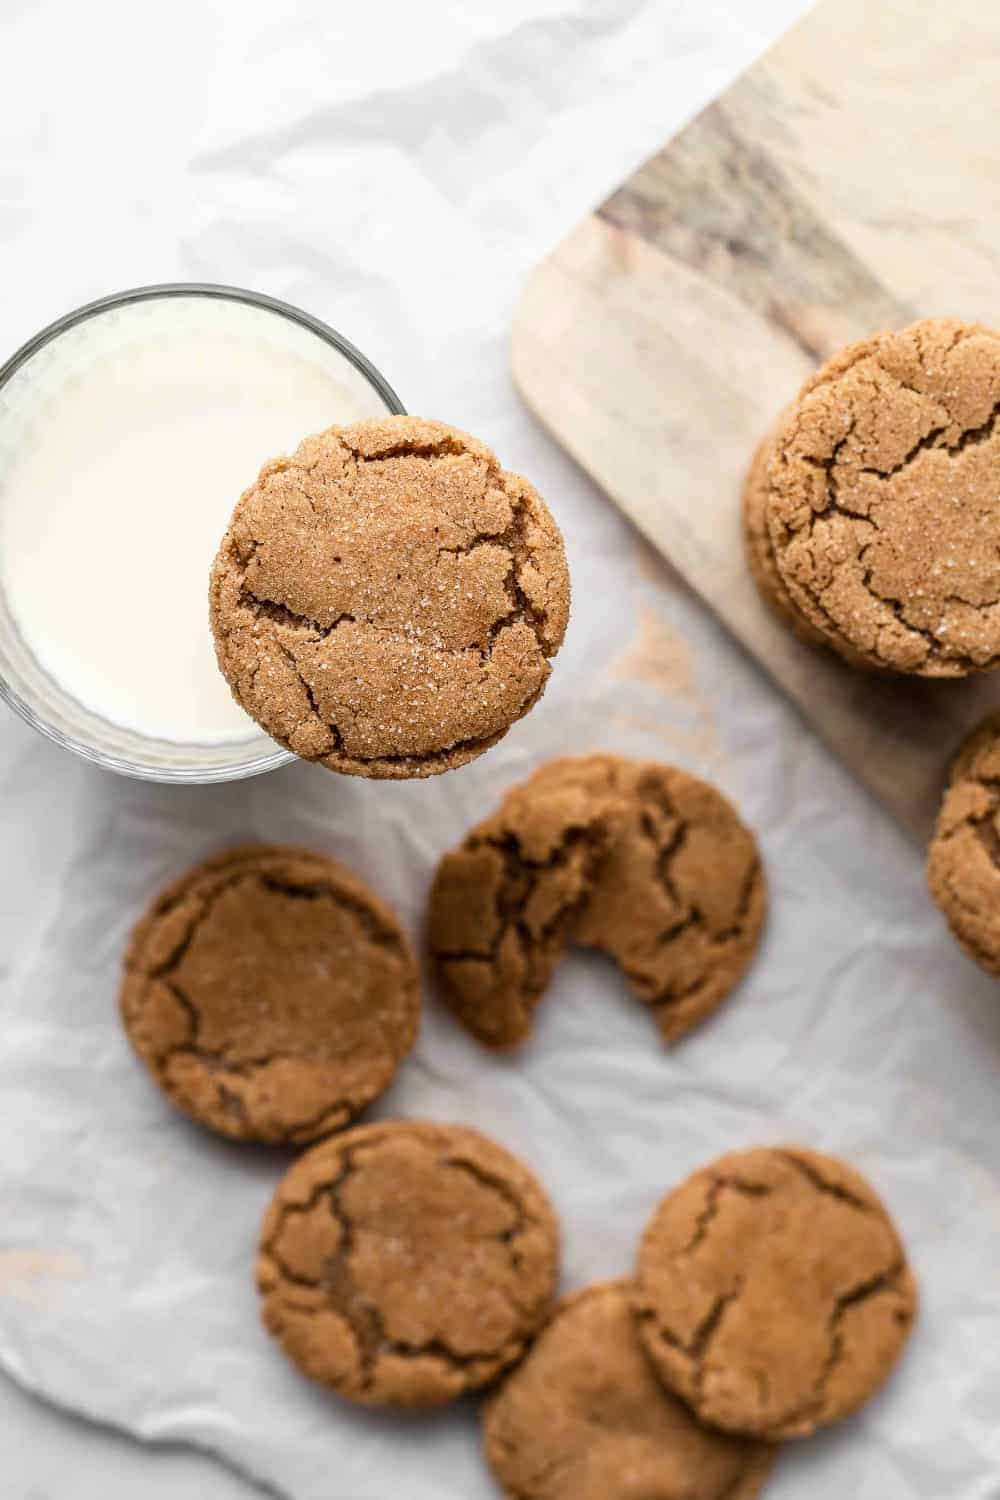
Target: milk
[122,454]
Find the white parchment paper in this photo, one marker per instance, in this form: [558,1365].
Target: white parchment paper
[397,170]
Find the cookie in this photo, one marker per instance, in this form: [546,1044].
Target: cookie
[963,861]
[681,898]
[760,552]
[881,502]
[665,879]
[503,903]
[584,1418]
[271,995]
[407,1262]
[772,1291]
[387,601]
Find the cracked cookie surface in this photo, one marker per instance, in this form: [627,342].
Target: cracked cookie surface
[407,1262]
[387,600]
[585,1418]
[963,861]
[271,995]
[680,900]
[760,550]
[882,504]
[772,1291]
[641,860]
[502,904]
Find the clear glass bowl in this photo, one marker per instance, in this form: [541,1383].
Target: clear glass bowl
[25,685]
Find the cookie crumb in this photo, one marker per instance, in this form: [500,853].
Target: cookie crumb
[880,503]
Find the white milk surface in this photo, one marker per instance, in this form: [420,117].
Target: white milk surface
[130,447]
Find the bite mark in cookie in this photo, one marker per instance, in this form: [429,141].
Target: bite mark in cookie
[643,861]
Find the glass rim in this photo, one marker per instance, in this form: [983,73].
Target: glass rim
[154,291]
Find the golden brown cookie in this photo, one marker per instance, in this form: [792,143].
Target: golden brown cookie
[502,904]
[681,897]
[407,1262]
[882,505]
[584,1418]
[664,878]
[963,862]
[270,993]
[387,600]
[772,1291]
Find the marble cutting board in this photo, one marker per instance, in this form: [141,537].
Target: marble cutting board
[849,181]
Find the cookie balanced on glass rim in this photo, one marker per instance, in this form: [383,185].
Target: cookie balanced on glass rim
[387,601]
[881,504]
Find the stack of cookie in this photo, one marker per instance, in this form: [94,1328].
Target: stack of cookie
[870,513]
[871,526]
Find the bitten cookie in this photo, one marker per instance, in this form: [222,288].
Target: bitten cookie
[502,904]
[664,878]
[882,505]
[584,1418]
[270,993]
[407,1262]
[387,600]
[963,862]
[772,1291]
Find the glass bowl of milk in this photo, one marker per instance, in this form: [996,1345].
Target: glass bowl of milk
[128,431]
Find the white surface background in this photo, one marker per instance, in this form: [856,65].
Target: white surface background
[397,169]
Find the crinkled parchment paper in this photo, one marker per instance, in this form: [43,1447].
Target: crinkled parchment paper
[397,170]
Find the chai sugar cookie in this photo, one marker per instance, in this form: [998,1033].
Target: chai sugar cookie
[387,600]
[666,879]
[502,904]
[963,861]
[270,993]
[882,504]
[772,1291]
[584,1417]
[407,1262]
[680,900]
